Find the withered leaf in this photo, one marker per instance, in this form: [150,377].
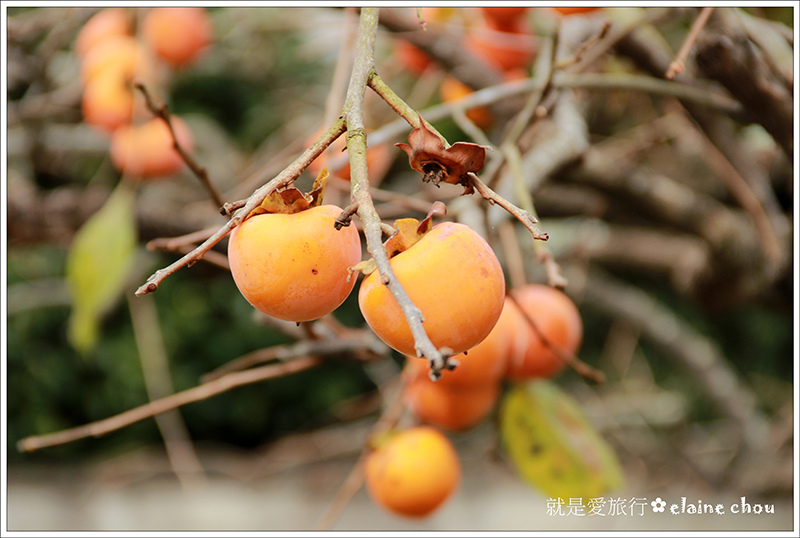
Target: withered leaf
[290,199]
[427,155]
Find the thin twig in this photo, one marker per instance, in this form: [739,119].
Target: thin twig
[300,349]
[178,399]
[527,220]
[555,277]
[162,111]
[173,243]
[513,254]
[677,65]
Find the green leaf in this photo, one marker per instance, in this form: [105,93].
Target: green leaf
[552,444]
[98,265]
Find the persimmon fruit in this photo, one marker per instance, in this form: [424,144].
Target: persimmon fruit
[146,150]
[486,362]
[575,10]
[178,35]
[294,267]
[452,89]
[452,275]
[123,55]
[413,472]
[412,57]
[557,321]
[108,22]
[507,47]
[107,102]
[454,408]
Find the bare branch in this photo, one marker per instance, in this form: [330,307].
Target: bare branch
[162,111]
[178,399]
[677,65]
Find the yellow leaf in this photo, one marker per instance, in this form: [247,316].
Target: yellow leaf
[552,444]
[98,263]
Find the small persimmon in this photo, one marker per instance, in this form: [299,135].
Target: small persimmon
[574,10]
[294,266]
[413,472]
[146,150]
[452,275]
[123,55]
[507,47]
[108,22]
[454,408]
[108,102]
[452,89]
[178,35]
[412,57]
[557,324]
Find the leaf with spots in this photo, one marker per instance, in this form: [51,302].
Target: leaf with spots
[552,444]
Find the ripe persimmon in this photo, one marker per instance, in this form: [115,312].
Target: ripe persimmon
[146,150]
[452,275]
[454,408]
[413,472]
[294,266]
[108,22]
[178,35]
[557,321]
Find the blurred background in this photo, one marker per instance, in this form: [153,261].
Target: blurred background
[669,206]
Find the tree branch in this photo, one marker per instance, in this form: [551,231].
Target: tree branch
[155,407]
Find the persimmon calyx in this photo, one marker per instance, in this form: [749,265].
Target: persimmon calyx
[291,200]
[408,232]
[437,164]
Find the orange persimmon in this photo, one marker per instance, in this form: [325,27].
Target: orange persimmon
[452,275]
[294,266]
[146,150]
[178,35]
[557,321]
[108,22]
[450,407]
[413,472]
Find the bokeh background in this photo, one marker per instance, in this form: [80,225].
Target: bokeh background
[671,219]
